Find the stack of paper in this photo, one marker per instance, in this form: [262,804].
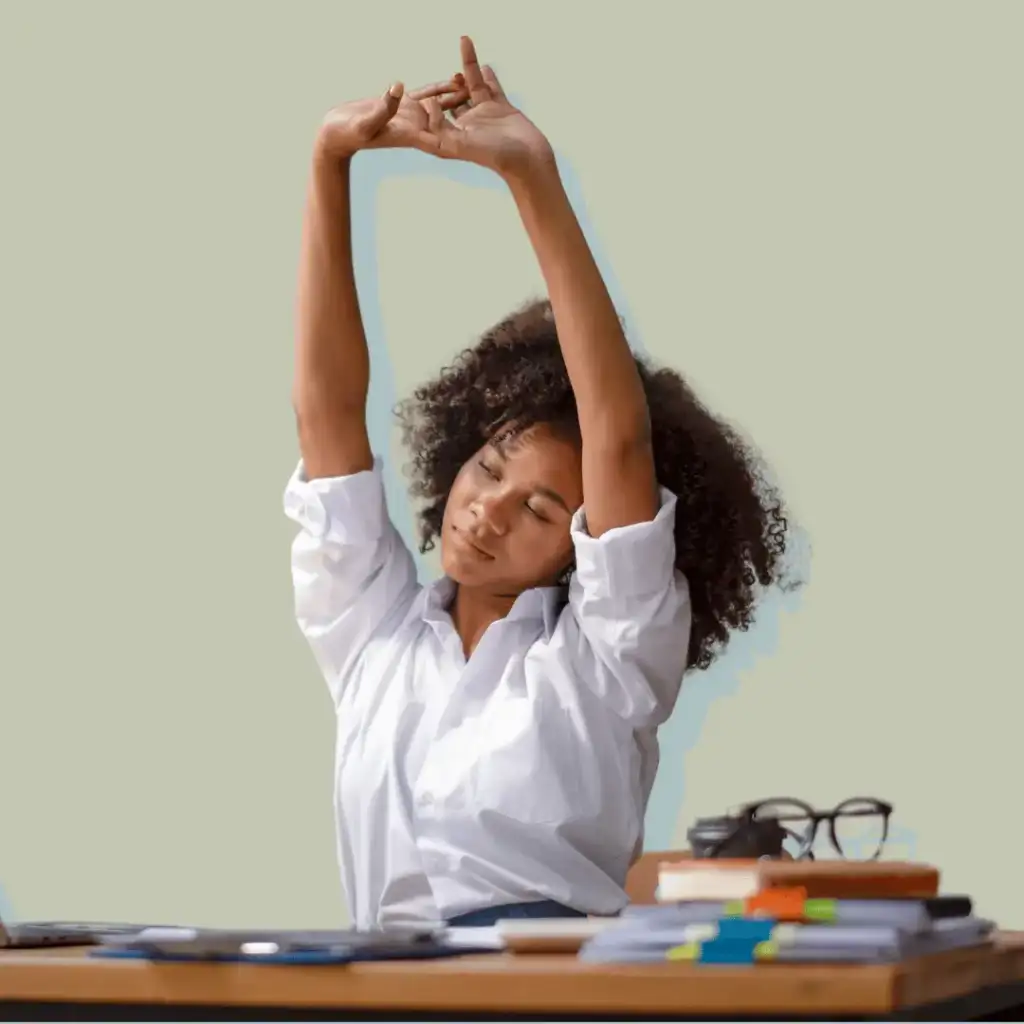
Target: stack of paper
[856,931]
[747,911]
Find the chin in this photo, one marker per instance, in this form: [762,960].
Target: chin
[451,565]
[459,572]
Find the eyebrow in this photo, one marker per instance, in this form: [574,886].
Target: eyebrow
[544,492]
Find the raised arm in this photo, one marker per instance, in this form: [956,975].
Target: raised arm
[352,572]
[619,484]
[332,365]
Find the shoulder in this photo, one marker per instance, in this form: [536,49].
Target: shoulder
[347,509]
[627,564]
[626,625]
[354,577]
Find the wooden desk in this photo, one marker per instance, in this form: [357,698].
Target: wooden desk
[963,985]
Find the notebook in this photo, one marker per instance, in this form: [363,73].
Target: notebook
[755,941]
[723,880]
[913,916]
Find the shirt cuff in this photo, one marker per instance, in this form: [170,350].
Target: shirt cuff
[342,509]
[627,560]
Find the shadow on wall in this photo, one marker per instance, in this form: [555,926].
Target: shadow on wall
[680,734]
[901,844]
[700,690]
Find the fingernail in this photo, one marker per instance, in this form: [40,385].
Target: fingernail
[396,90]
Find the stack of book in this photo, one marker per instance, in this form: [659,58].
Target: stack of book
[719,911]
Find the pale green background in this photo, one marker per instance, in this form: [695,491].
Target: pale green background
[813,208]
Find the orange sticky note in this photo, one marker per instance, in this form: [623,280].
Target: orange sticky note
[782,904]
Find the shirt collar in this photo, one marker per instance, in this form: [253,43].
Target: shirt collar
[539,603]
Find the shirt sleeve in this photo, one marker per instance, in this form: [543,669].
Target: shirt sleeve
[351,571]
[630,615]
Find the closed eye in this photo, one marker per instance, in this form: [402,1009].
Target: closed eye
[487,469]
[537,515]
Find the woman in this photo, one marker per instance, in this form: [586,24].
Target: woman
[600,532]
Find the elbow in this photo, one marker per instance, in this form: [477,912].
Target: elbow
[302,410]
[313,404]
[306,401]
[618,434]
[621,445]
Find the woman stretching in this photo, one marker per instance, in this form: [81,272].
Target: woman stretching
[600,533]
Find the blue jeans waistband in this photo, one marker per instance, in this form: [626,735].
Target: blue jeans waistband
[490,915]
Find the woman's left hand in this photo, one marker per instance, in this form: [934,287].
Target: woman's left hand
[488,130]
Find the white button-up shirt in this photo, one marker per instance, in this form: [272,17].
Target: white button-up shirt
[522,773]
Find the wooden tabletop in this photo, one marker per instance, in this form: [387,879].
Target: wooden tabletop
[523,984]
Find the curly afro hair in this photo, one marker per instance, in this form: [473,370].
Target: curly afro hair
[730,527]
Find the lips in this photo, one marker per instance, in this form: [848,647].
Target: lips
[474,549]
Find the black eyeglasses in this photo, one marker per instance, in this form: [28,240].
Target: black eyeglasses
[857,827]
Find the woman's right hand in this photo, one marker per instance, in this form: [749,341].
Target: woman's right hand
[395,120]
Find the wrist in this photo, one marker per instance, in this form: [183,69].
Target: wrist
[328,165]
[535,180]
[329,155]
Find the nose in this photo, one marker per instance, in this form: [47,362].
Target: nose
[490,515]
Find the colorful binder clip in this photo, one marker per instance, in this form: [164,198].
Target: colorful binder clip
[723,951]
[745,929]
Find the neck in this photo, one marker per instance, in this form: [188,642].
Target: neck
[472,611]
